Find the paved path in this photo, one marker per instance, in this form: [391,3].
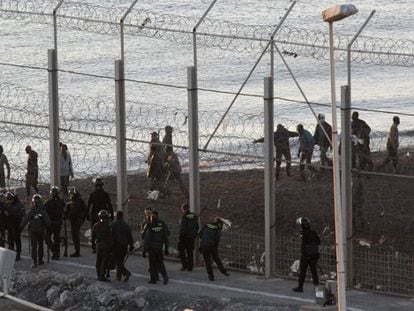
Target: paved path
[238,285]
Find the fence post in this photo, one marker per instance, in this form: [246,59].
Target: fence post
[53,117]
[121,177]
[346,178]
[194,176]
[269,176]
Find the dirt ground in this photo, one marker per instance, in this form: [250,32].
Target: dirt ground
[385,202]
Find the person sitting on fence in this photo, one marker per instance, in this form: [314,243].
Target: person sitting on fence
[155,163]
[172,166]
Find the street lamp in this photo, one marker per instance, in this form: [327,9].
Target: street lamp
[331,15]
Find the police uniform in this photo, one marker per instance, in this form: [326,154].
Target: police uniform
[55,207]
[37,220]
[309,256]
[188,233]
[76,214]
[102,236]
[15,214]
[210,238]
[122,237]
[155,238]
[98,200]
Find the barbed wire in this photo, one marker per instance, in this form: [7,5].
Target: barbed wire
[220,34]
[86,126]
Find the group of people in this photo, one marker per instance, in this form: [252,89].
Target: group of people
[163,165]
[155,236]
[32,173]
[361,152]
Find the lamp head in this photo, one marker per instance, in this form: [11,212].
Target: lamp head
[338,12]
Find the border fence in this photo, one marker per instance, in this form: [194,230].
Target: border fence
[232,167]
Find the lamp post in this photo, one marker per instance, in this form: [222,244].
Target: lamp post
[331,15]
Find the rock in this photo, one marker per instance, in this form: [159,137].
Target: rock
[125,297]
[74,279]
[140,302]
[52,293]
[105,298]
[98,287]
[141,290]
[225,300]
[67,299]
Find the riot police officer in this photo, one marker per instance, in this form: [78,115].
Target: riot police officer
[102,237]
[55,207]
[156,237]
[15,213]
[98,200]
[76,213]
[210,239]
[37,220]
[309,253]
[122,237]
[188,233]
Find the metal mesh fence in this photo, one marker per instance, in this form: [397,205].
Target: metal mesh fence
[232,168]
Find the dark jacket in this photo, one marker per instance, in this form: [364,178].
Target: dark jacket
[121,233]
[15,211]
[188,226]
[144,226]
[37,218]
[210,235]
[77,211]
[99,200]
[361,130]
[102,235]
[310,243]
[156,236]
[281,138]
[306,141]
[55,208]
[320,137]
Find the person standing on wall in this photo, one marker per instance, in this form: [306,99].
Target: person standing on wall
[392,145]
[322,139]
[66,168]
[32,171]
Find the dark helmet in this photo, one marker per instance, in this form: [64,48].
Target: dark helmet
[74,191]
[304,222]
[54,190]
[168,129]
[299,128]
[99,182]
[103,214]
[36,199]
